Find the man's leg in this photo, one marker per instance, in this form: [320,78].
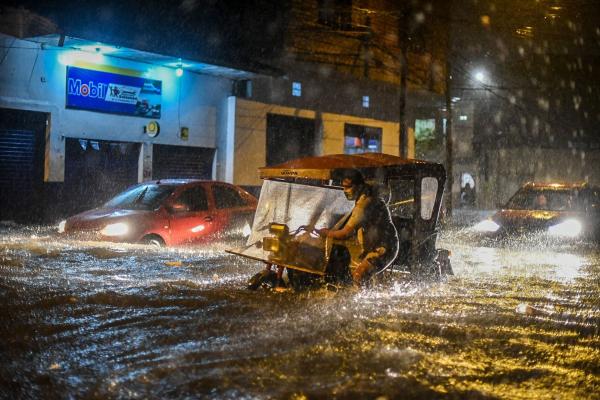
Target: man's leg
[372,263]
[363,271]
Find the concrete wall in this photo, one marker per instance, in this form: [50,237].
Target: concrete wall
[251,127]
[33,77]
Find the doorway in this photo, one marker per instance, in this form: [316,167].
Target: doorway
[22,147]
[289,138]
[96,170]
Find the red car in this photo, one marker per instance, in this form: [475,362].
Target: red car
[167,212]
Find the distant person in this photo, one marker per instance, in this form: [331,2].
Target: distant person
[370,221]
[467,196]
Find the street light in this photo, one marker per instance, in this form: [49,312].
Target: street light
[480,76]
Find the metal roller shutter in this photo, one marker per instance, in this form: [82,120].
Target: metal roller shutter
[181,162]
[21,165]
[96,170]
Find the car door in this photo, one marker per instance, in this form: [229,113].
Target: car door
[191,217]
[233,210]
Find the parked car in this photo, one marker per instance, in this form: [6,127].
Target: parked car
[558,210]
[167,212]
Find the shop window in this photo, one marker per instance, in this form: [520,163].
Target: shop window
[361,139]
[424,129]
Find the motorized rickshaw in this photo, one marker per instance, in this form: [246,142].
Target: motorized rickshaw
[299,196]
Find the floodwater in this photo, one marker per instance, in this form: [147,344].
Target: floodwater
[97,320]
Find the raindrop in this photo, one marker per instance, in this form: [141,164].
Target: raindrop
[419,17]
[543,104]
[577,102]
[498,117]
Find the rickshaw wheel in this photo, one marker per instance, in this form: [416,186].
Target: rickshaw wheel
[265,278]
[338,271]
[443,262]
[301,280]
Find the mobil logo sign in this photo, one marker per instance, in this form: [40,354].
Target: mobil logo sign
[112,93]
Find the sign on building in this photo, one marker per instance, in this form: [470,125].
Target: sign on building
[113,93]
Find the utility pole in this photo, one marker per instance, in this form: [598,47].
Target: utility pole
[449,136]
[403,39]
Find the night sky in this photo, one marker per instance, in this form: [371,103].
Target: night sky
[234,32]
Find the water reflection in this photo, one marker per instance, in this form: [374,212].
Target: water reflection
[535,261]
[91,319]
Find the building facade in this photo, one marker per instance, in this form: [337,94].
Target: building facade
[82,120]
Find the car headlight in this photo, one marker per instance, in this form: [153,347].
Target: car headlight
[118,229]
[61,226]
[568,228]
[486,226]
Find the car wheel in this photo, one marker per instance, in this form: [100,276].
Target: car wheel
[153,240]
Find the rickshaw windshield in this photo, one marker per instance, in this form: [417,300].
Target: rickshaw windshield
[294,205]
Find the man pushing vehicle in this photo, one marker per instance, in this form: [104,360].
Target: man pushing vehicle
[370,221]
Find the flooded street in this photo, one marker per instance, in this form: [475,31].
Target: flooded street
[98,320]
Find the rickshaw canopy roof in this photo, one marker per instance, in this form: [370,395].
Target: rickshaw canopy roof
[373,165]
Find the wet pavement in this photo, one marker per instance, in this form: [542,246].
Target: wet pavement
[99,320]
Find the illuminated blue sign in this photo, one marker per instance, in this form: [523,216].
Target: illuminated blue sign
[113,93]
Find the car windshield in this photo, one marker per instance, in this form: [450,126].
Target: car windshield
[543,199]
[143,197]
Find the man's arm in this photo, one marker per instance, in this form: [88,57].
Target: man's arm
[354,221]
[343,233]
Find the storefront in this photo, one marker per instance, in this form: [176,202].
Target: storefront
[83,120]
